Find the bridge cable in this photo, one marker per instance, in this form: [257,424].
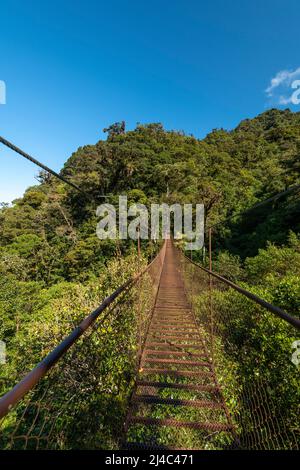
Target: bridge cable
[289,190]
[44,167]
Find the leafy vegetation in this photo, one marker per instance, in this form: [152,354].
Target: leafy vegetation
[54,269]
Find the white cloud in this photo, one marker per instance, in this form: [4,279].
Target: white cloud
[280,87]
[285,100]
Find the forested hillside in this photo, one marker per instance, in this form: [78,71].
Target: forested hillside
[49,234]
[54,269]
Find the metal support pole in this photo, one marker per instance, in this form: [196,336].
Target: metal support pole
[210,295]
[139,243]
[140,319]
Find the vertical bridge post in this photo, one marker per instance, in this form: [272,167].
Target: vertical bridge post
[210,293]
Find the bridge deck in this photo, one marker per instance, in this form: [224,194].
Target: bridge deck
[177,403]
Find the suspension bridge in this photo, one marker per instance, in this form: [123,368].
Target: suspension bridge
[179,399]
[191,386]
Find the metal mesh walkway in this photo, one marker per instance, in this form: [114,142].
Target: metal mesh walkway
[177,399]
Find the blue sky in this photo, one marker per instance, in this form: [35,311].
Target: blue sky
[72,68]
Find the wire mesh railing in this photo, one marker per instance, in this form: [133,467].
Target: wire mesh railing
[77,396]
[251,351]
[251,400]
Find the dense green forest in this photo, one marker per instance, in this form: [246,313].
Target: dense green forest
[49,237]
[54,269]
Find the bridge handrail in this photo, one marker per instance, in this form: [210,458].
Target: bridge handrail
[13,396]
[272,308]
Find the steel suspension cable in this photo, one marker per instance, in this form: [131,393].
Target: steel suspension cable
[44,167]
[289,190]
[272,308]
